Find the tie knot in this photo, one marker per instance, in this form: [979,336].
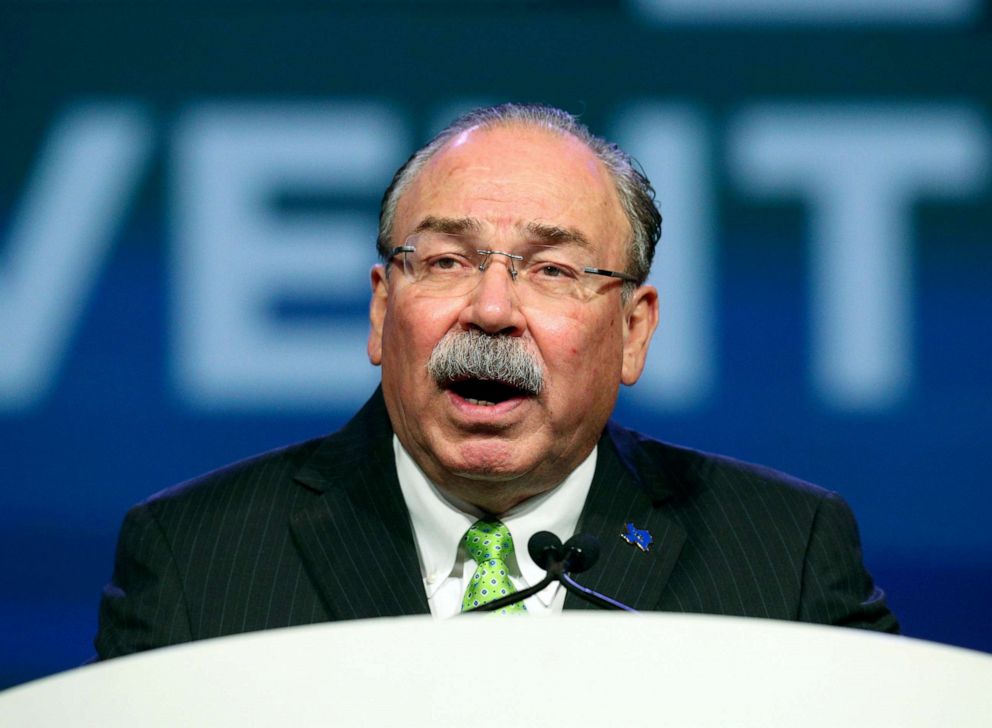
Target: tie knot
[488,540]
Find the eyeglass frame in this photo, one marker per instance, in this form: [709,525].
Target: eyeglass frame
[626,277]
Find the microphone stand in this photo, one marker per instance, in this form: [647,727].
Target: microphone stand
[600,600]
[554,573]
[558,570]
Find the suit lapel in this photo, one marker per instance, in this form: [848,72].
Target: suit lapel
[354,535]
[627,492]
[354,532]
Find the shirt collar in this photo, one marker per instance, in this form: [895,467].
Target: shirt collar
[440,521]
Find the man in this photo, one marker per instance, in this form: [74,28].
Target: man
[509,307]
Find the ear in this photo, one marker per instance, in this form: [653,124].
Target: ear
[377,312]
[640,321]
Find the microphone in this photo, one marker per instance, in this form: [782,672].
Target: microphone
[581,552]
[545,549]
[578,554]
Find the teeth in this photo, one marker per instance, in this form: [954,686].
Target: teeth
[482,402]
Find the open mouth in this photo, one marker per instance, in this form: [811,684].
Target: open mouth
[485,392]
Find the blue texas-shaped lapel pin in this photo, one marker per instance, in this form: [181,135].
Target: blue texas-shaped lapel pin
[639,537]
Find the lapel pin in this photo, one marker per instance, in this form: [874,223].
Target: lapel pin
[639,537]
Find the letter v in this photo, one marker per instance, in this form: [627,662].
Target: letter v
[60,237]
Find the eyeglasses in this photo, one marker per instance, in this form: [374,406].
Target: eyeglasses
[442,264]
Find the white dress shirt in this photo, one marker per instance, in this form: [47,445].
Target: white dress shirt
[440,522]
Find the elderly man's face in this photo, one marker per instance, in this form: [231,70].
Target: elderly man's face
[504,183]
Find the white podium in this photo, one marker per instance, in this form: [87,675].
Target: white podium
[577,670]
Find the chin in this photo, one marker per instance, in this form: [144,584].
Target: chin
[487,471]
[481,461]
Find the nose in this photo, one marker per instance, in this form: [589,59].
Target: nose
[493,305]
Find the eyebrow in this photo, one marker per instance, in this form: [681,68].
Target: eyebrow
[557,235]
[543,233]
[449,225]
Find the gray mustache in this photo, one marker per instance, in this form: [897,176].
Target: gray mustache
[477,355]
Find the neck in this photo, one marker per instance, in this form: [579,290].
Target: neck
[494,497]
[496,494]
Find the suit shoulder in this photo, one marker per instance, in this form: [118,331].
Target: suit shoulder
[688,473]
[268,471]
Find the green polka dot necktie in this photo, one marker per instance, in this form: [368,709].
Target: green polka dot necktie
[490,544]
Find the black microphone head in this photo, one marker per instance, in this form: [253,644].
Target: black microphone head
[581,552]
[545,549]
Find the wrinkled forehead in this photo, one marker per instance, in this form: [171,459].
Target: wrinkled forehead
[519,184]
[472,230]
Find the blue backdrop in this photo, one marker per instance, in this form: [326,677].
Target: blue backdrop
[187,212]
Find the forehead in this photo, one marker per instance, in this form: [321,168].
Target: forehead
[514,178]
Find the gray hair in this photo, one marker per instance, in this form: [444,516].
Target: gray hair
[636,195]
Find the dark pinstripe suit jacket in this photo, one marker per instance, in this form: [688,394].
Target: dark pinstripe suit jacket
[319,531]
